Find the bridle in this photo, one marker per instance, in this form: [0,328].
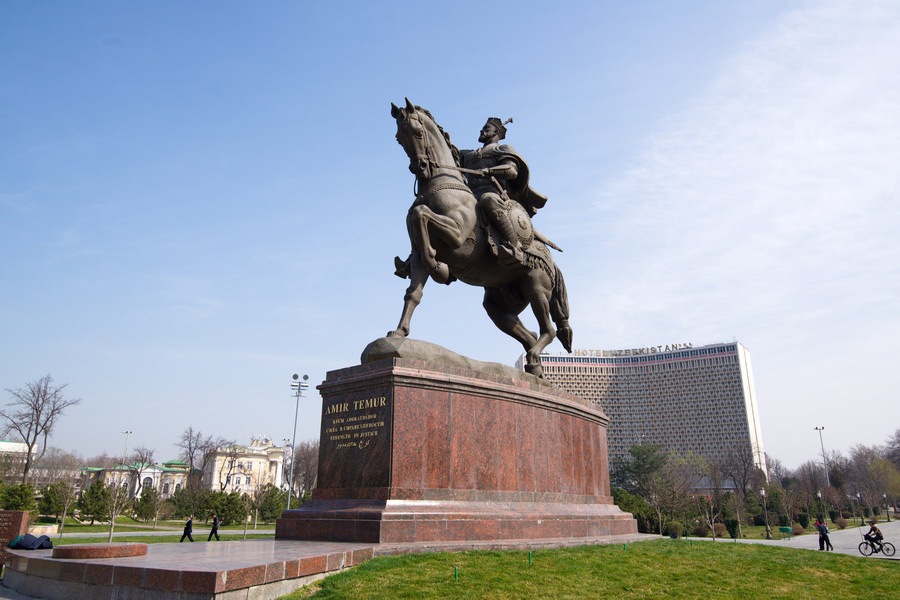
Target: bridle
[428,159]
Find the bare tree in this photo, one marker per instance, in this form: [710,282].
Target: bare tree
[230,452]
[143,461]
[197,450]
[68,495]
[893,448]
[306,466]
[117,501]
[740,467]
[32,413]
[103,460]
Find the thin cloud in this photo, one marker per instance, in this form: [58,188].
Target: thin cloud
[775,193]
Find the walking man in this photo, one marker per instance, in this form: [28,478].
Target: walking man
[215,529]
[188,529]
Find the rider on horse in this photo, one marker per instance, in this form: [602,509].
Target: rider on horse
[500,178]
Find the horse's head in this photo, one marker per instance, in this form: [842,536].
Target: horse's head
[413,136]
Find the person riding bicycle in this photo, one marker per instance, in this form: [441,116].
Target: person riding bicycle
[874,536]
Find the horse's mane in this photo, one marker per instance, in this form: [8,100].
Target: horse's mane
[453,149]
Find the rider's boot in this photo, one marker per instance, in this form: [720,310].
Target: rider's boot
[508,252]
[402,267]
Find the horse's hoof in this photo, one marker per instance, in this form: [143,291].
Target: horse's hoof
[535,369]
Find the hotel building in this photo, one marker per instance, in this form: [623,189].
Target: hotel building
[687,400]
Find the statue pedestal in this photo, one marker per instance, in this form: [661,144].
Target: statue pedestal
[419,452]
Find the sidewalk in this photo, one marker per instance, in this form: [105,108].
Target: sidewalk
[845,541]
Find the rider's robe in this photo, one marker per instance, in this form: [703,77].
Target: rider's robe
[517,188]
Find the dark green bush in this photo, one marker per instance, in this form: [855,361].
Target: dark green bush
[783,521]
[833,514]
[803,519]
[674,530]
[732,526]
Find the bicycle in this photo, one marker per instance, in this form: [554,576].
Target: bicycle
[867,548]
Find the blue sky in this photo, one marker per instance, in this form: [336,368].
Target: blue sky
[199,199]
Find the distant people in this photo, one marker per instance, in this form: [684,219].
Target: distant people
[874,536]
[824,540]
[215,529]
[188,529]
[820,528]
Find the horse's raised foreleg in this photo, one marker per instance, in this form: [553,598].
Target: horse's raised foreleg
[448,229]
[506,318]
[418,276]
[537,289]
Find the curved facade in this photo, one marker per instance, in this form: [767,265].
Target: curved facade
[687,400]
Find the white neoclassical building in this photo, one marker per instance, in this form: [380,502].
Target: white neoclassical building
[243,469]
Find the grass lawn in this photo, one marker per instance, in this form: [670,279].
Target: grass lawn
[158,539]
[673,569]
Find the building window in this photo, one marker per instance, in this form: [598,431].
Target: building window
[166,488]
[248,480]
[237,480]
[177,486]
[148,482]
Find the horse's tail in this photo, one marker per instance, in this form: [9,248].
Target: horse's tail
[559,309]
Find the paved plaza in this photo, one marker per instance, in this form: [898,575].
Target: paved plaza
[845,541]
[233,554]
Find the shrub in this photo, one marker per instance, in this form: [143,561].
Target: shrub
[866,511]
[732,526]
[721,530]
[876,510]
[841,523]
[803,519]
[783,521]
[833,515]
[701,530]
[674,530]
[798,530]
[846,514]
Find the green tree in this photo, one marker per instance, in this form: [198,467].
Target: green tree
[92,503]
[272,504]
[19,497]
[634,474]
[638,508]
[144,508]
[51,502]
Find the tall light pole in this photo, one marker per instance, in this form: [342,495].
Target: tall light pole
[298,387]
[125,452]
[824,459]
[762,493]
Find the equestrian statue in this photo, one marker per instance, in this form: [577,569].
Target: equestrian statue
[471,221]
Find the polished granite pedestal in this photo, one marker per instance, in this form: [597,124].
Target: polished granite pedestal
[414,451]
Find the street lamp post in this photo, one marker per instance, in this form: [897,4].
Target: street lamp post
[762,493]
[125,452]
[862,520]
[887,508]
[824,458]
[298,387]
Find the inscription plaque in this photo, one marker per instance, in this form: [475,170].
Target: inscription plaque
[355,440]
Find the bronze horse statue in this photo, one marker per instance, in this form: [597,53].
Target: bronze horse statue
[449,241]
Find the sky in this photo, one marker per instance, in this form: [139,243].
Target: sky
[198,200]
